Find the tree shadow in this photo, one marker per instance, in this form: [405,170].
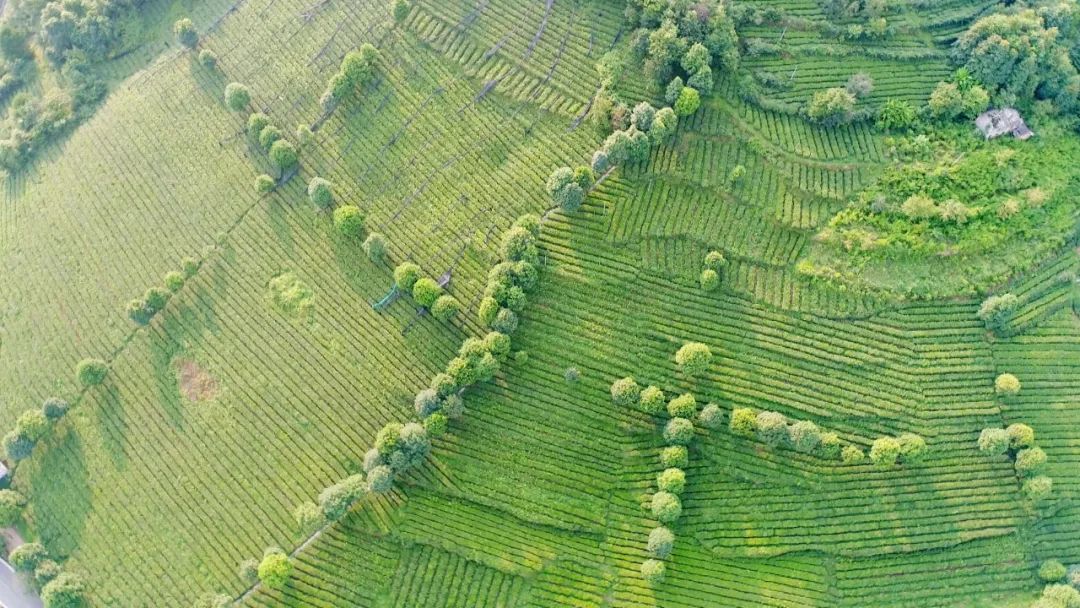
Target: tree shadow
[61,491]
[112,423]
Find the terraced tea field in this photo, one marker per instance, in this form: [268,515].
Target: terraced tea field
[269,374]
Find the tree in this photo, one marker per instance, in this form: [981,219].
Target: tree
[264,184]
[446,308]
[381,479]
[1061,596]
[1038,488]
[679,431]
[174,281]
[454,407]
[912,448]
[683,406]
[386,440]
[831,107]
[772,428]
[349,221]
[638,152]
[426,291]
[185,33]
[11,506]
[860,85]
[617,147]
[189,266]
[711,416]
[1007,385]
[91,372]
[506,321]
[715,260]
[946,101]
[896,114]
[642,116]
[996,311]
[283,154]
[1020,435]
[688,102]
[1052,571]
[46,571]
[32,424]
[257,121]
[625,392]
[1030,460]
[743,422]
[375,246]
[805,436]
[671,480]
[309,517]
[27,556]
[436,424]
[851,455]
[651,400]
[674,456]
[693,358]
[885,451]
[696,58]
[600,162]
[564,191]
[268,135]
[334,501]
[208,59]
[993,441]
[405,275]
[666,507]
[274,569]
[975,101]
[673,90]
[17,446]
[65,591]
[248,571]
[652,571]
[709,280]
[399,10]
[156,298]
[518,244]
[664,125]
[138,312]
[237,96]
[829,447]
[661,541]
[583,177]
[498,344]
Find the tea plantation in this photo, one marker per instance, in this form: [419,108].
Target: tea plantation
[548,303]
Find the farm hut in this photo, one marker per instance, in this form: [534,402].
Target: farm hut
[995,123]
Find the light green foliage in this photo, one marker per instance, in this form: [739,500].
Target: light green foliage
[174,280]
[912,448]
[1007,384]
[426,291]
[805,436]
[711,416]
[679,431]
[688,102]
[564,191]
[831,106]
[671,480]
[11,506]
[265,184]
[946,102]
[993,441]
[996,310]
[661,541]
[185,33]
[309,517]
[674,456]
[349,221]
[257,121]
[643,115]
[91,372]
[1052,571]
[652,570]
[1020,435]
[651,400]
[693,358]
[67,590]
[208,59]
[283,154]
[851,455]
[1038,488]
[445,308]
[274,569]
[1030,460]
[896,114]
[625,392]
[666,507]
[772,428]
[683,406]
[743,422]
[32,424]
[709,280]
[885,451]
[663,126]
[237,96]
[26,557]
[405,275]
[375,246]
[291,296]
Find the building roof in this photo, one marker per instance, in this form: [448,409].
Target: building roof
[995,123]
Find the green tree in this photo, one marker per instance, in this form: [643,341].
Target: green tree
[349,221]
[426,291]
[208,59]
[851,455]
[671,480]
[885,451]
[674,456]
[405,275]
[65,591]
[642,116]
[283,154]
[399,9]
[661,542]
[831,107]
[375,246]
[663,126]
[625,392]
[1030,460]
[11,506]
[996,311]
[1020,435]
[683,406]
[688,102]
[946,101]
[563,190]
[1052,571]
[91,372]
[32,424]
[27,556]
[743,422]
[912,448]
[651,400]
[17,446]
[679,431]
[309,517]
[772,428]
[709,280]
[693,358]
[185,33]
[652,571]
[264,184]
[896,114]
[1007,385]
[274,569]
[993,441]
[446,308]
[805,436]
[711,416]
[237,96]
[1038,488]
[257,121]
[666,507]
[174,281]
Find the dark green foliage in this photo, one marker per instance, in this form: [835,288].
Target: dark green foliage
[564,191]
[375,246]
[349,221]
[185,32]
[265,184]
[26,557]
[381,479]
[399,10]
[46,571]
[54,408]
[237,96]
[268,135]
[11,506]
[17,446]
[283,154]
[257,121]
[208,59]
[174,281]
[67,590]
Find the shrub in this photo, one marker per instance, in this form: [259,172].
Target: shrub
[743,422]
[1020,435]
[771,428]
[274,569]
[671,480]
[446,308]
[679,431]
[688,102]
[17,446]
[54,408]
[189,266]
[309,517]
[661,542]
[237,96]
[11,506]
[264,184]
[831,106]
[674,456]
[283,154]
[666,507]
[405,275]
[349,221]
[896,114]
[805,436]
[1038,488]
[32,424]
[651,400]
[715,260]
[375,246]
[1007,384]
[996,311]
[860,85]
[851,455]
[572,374]
[919,207]
[208,59]
[885,451]
[91,372]
[399,9]
[683,406]
[1052,571]
[993,441]
[912,448]
[185,33]
[709,279]
[426,291]
[248,571]
[694,358]
[946,101]
[625,392]
[652,570]
[711,417]
[65,591]
[26,557]
[1030,460]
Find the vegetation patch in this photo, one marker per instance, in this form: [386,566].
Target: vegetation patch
[291,296]
[196,384]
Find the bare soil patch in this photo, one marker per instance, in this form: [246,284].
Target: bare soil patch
[195,383]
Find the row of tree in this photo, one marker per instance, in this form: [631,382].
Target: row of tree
[142,310]
[57,587]
[426,291]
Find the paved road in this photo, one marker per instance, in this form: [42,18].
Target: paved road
[13,592]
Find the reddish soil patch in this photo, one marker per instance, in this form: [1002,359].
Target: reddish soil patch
[195,383]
